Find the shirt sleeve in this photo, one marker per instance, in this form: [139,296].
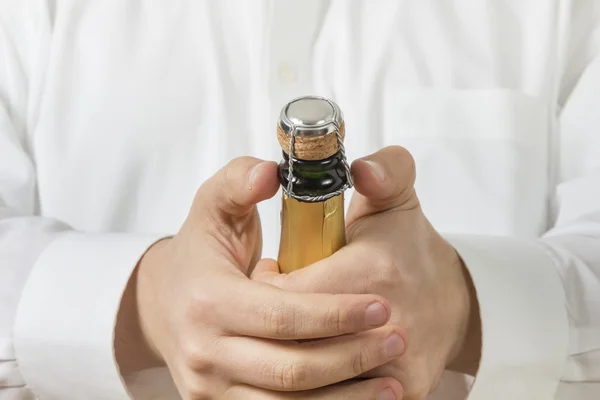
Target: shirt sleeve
[540,299]
[60,289]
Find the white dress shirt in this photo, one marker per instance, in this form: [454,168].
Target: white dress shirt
[113,112]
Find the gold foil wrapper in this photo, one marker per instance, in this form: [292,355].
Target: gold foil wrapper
[310,231]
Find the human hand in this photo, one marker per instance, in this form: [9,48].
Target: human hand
[394,251]
[224,336]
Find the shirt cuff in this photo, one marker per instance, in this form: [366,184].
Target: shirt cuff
[524,317]
[64,331]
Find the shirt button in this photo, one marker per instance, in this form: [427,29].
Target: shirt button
[287,73]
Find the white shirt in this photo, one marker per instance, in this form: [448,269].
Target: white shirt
[113,112]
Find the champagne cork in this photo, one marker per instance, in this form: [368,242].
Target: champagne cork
[316,121]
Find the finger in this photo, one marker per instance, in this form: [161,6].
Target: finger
[237,187]
[294,366]
[415,374]
[262,310]
[267,270]
[348,275]
[383,180]
[375,389]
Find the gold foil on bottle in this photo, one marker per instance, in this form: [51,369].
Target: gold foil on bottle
[310,231]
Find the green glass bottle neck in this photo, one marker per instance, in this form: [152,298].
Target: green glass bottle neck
[314,178]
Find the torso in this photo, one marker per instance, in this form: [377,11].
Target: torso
[143,100]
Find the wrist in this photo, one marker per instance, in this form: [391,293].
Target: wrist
[133,348]
[467,353]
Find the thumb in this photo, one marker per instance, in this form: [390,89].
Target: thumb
[235,189]
[383,180]
[267,271]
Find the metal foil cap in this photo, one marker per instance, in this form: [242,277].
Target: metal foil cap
[311,116]
[315,125]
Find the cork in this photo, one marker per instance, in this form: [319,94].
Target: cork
[311,148]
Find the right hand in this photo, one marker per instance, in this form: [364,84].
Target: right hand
[224,336]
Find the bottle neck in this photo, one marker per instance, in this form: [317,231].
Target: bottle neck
[314,178]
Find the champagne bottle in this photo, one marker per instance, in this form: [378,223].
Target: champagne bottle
[314,174]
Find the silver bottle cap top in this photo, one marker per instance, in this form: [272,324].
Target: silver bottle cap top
[312,116]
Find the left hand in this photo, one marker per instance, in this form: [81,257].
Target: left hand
[394,251]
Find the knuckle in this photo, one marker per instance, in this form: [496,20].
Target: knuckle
[419,392]
[387,273]
[421,383]
[240,163]
[196,358]
[201,306]
[361,360]
[200,196]
[337,318]
[223,234]
[402,154]
[404,164]
[235,392]
[290,375]
[280,320]
[195,389]
[201,395]
[234,171]
[229,184]
[223,189]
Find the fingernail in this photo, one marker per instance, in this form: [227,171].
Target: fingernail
[377,169]
[394,345]
[252,175]
[386,394]
[376,314]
